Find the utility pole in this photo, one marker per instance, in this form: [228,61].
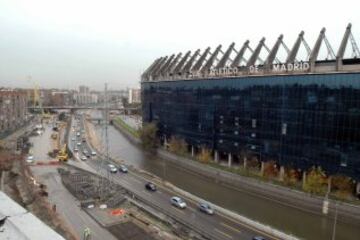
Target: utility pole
[106,160]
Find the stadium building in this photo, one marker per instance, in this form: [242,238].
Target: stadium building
[298,113]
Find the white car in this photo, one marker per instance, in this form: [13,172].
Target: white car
[123,169]
[79,144]
[76,150]
[73,139]
[30,159]
[112,168]
[178,202]
[84,158]
[93,153]
[206,208]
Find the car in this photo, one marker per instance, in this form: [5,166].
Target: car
[112,168]
[206,208]
[73,139]
[76,149]
[93,153]
[79,144]
[123,169]
[78,134]
[150,186]
[30,159]
[85,151]
[84,158]
[178,202]
[258,238]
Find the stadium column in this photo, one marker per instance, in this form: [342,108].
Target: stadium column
[245,162]
[192,151]
[358,189]
[262,168]
[304,178]
[165,142]
[281,173]
[216,156]
[229,160]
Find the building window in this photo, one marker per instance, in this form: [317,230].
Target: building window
[284,129]
[236,132]
[343,163]
[236,144]
[253,135]
[253,123]
[221,141]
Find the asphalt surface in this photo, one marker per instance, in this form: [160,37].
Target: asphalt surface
[216,226]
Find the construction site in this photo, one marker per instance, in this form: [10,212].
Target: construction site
[114,208]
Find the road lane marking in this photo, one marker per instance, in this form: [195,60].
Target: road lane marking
[221,232]
[136,180]
[147,193]
[230,227]
[247,226]
[178,210]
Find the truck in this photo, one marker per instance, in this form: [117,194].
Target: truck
[54,136]
[62,155]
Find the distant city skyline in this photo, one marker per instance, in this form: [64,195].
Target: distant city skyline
[66,44]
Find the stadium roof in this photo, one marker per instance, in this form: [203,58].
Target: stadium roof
[233,62]
[16,223]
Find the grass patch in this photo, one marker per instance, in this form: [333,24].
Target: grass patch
[132,131]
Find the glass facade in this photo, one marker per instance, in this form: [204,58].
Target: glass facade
[296,120]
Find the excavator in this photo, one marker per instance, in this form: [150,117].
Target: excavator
[62,155]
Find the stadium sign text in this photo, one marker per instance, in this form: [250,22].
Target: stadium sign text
[283,67]
[291,67]
[223,71]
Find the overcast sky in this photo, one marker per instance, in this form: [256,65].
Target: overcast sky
[67,43]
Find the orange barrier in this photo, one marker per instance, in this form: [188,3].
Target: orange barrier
[117,212]
[42,163]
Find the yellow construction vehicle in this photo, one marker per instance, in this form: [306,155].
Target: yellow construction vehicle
[62,155]
[54,136]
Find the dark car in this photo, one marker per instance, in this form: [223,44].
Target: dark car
[150,186]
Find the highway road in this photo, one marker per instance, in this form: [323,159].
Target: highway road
[217,226]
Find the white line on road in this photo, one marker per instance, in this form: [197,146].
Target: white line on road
[137,180]
[178,210]
[224,234]
[230,227]
[147,193]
